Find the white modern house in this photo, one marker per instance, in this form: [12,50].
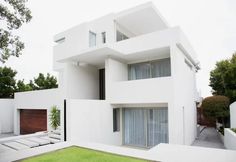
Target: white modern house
[126,78]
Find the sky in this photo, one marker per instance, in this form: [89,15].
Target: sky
[210,26]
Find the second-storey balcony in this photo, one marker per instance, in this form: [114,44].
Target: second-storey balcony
[141,91]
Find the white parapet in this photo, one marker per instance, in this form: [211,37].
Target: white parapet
[229,139]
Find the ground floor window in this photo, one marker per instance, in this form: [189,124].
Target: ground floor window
[145,127]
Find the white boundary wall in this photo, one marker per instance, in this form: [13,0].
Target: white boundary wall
[229,139]
[6,115]
[233,115]
[91,121]
[41,99]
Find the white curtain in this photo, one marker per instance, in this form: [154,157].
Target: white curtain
[139,71]
[134,126]
[161,68]
[153,69]
[157,125]
[145,127]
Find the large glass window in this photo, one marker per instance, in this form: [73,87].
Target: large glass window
[120,36]
[92,39]
[153,69]
[145,127]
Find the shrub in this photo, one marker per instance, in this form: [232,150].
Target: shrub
[54,117]
[215,107]
[233,129]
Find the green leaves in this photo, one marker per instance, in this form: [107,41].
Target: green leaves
[9,85]
[54,117]
[7,82]
[45,82]
[13,13]
[216,107]
[223,78]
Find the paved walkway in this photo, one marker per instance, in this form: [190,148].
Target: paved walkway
[209,137]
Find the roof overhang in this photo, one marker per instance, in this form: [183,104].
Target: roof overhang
[142,19]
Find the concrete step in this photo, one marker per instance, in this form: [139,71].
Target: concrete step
[16,145]
[4,149]
[27,143]
[56,136]
[56,132]
[39,140]
[52,140]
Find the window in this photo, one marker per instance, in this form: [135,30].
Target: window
[116,120]
[103,37]
[145,127]
[92,39]
[153,69]
[120,36]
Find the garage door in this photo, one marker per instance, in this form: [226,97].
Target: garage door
[32,121]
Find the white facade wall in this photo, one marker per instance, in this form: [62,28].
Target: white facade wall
[81,82]
[41,99]
[6,115]
[229,139]
[91,121]
[233,115]
[184,89]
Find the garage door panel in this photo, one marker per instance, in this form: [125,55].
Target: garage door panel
[32,121]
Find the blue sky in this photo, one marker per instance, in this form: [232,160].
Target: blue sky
[210,25]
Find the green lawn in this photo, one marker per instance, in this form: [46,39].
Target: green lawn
[78,154]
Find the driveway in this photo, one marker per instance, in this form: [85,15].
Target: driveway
[209,137]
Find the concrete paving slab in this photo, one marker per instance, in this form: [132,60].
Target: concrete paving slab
[39,140]
[56,136]
[52,140]
[56,131]
[27,143]
[4,149]
[209,137]
[16,145]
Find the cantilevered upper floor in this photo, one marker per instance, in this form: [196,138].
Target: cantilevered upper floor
[134,34]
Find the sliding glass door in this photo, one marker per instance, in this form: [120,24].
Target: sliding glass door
[145,127]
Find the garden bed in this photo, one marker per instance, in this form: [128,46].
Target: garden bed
[75,154]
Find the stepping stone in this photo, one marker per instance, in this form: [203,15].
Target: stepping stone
[56,132]
[52,140]
[27,143]
[16,145]
[56,136]
[39,140]
[4,149]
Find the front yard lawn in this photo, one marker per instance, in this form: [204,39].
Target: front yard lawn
[77,154]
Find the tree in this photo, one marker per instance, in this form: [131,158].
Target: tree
[22,87]
[7,82]
[13,14]
[223,78]
[45,82]
[216,107]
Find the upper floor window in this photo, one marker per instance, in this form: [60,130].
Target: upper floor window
[120,36]
[152,69]
[103,37]
[92,39]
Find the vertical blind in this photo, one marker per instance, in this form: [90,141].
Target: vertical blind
[153,69]
[145,127]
